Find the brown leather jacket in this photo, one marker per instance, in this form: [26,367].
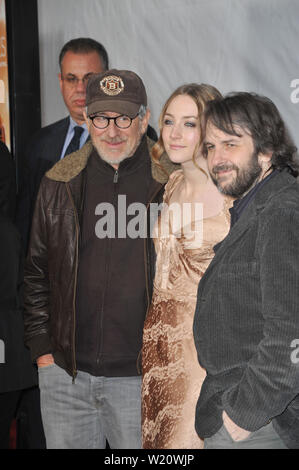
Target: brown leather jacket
[52,262]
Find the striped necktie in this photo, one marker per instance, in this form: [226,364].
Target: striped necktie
[75,142]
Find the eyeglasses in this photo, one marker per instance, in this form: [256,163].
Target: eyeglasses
[73,81]
[122,121]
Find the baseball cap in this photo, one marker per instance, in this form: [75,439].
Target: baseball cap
[119,91]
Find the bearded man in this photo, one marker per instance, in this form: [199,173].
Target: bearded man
[246,318]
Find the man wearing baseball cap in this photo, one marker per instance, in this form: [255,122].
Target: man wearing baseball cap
[85,289]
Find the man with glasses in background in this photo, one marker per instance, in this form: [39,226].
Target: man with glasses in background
[85,294]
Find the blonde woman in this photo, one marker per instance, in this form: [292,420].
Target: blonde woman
[195,217]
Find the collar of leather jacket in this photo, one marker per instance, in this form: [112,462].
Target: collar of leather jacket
[71,165]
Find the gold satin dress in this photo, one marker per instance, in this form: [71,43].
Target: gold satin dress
[172,376]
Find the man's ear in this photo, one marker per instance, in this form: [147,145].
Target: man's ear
[87,120]
[60,81]
[265,160]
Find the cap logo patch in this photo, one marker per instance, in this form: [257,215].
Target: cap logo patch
[112,85]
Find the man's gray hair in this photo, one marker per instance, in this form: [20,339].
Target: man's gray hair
[142,112]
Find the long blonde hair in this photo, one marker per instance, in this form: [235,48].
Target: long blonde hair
[201,95]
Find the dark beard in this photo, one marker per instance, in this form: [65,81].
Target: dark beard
[244,180]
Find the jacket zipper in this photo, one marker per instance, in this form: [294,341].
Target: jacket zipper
[115,181]
[74,372]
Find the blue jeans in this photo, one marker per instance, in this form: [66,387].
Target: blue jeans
[265,438]
[83,414]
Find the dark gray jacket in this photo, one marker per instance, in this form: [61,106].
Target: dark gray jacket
[247,317]
[16,370]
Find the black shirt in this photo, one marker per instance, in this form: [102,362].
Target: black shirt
[111,296]
[240,204]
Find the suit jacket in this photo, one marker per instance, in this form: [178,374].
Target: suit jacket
[7,183]
[42,152]
[247,317]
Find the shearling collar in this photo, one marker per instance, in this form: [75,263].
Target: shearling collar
[71,165]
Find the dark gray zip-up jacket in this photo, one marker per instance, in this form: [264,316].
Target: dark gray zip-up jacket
[247,317]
